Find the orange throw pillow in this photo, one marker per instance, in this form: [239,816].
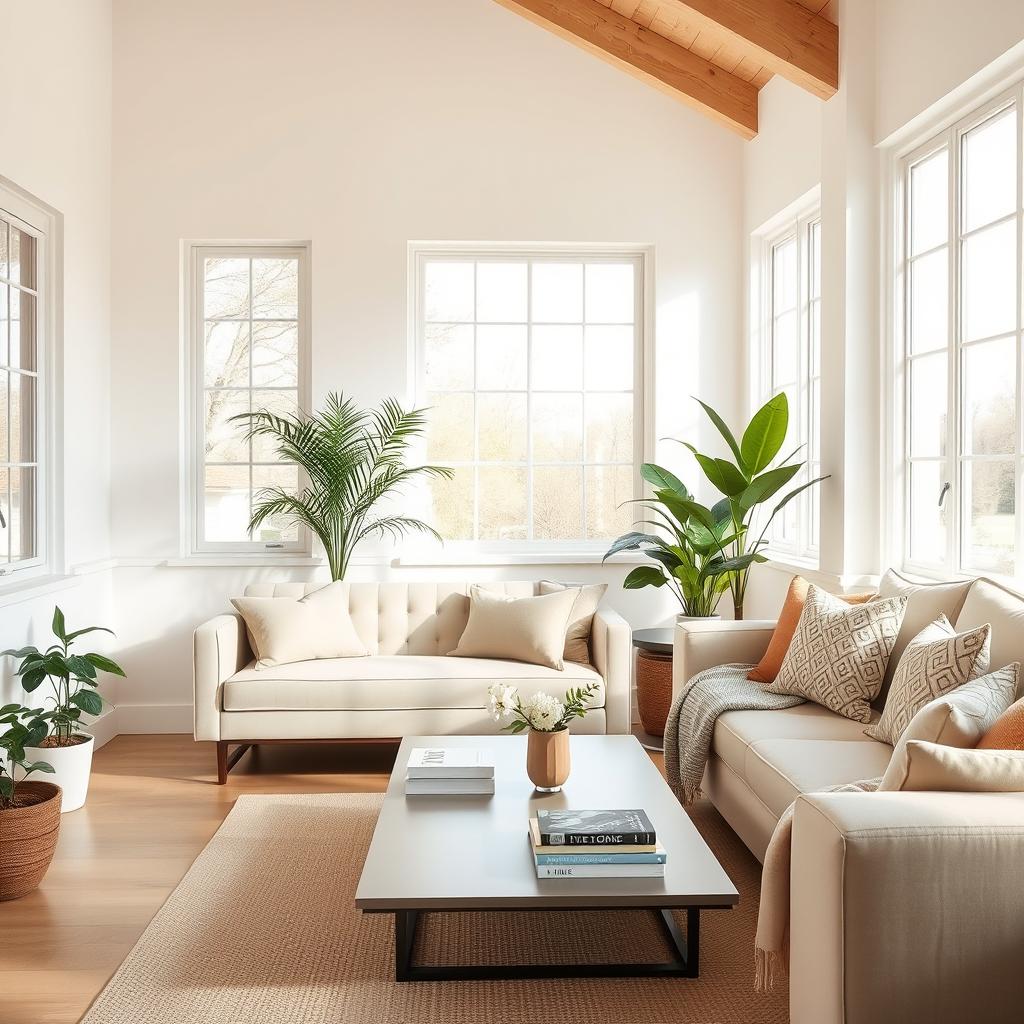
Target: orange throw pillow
[768,667]
[1007,732]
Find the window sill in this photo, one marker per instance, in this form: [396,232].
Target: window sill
[14,590]
[568,557]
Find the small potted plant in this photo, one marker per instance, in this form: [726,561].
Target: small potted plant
[547,718]
[29,811]
[73,678]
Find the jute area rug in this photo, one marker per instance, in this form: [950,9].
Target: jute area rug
[263,928]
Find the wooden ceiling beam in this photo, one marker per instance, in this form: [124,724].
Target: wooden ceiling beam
[783,35]
[647,56]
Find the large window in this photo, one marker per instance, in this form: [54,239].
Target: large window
[959,311]
[531,363]
[788,358]
[249,320]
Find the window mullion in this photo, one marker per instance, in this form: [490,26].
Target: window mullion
[954,435]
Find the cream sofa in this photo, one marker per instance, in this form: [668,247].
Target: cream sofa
[904,906]
[405,687]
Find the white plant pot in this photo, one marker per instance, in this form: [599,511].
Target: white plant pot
[697,618]
[71,765]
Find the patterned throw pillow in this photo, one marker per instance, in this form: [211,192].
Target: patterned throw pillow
[838,654]
[936,661]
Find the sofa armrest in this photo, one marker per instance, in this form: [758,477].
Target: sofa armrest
[907,906]
[703,644]
[220,649]
[610,642]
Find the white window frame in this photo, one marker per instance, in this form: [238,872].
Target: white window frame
[794,222]
[947,133]
[642,256]
[194,252]
[45,224]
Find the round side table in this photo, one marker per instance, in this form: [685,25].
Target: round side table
[653,674]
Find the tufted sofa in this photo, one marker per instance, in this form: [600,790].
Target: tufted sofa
[405,687]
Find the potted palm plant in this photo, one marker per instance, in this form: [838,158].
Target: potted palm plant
[73,679]
[351,459]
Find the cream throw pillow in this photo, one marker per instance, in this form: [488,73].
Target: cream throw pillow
[286,629]
[942,769]
[581,619]
[956,719]
[936,661]
[838,654]
[530,629]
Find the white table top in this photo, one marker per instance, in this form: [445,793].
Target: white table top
[472,852]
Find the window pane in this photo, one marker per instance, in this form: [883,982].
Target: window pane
[276,528]
[928,406]
[608,358]
[990,397]
[500,358]
[785,350]
[929,203]
[226,503]
[990,282]
[556,358]
[281,403]
[557,293]
[609,292]
[449,291]
[23,514]
[450,427]
[502,503]
[452,504]
[609,490]
[5,450]
[815,243]
[226,288]
[5,508]
[927,519]
[501,423]
[275,354]
[225,440]
[226,354]
[557,427]
[275,289]
[501,292]
[22,258]
[784,277]
[448,357]
[4,316]
[23,344]
[3,249]
[23,418]
[929,302]
[557,503]
[988,513]
[990,170]
[609,428]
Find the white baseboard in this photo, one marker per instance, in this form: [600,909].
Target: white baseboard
[154,718]
[104,728]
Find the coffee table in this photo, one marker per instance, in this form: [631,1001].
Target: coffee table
[470,853]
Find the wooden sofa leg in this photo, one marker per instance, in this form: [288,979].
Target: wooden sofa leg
[222,762]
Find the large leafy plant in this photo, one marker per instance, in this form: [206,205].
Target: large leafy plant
[351,459]
[24,728]
[72,677]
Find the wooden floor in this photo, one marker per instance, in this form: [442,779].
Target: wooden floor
[153,805]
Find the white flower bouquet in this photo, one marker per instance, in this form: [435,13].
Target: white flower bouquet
[541,712]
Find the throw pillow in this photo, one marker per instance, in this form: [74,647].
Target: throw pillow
[581,618]
[957,719]
[530,629]
[838,654]
[288,629]
[768,667]
[936,661]
[1007,732]
[934,767]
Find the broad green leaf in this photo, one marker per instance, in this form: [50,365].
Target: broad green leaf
[35,734]
[89,701]
[658,476]
[667,556]
[8,708]
[80,665]
[88,629]
[31,680]
[59,629]
[629,542]
[105,664]
[21,652]
[686,508]
[765,434]
[723,474]
[766,485]
[38,766]
[730,440]
[6,787]
[737,563]
[644,576]
[722,510]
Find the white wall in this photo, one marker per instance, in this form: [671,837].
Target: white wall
[55,113]
[448,120]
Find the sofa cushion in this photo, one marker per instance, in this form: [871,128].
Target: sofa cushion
[778,771]
[933,766]
[1004,611]
[397,682]
[581,620]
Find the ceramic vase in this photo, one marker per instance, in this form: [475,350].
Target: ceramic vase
[547,759]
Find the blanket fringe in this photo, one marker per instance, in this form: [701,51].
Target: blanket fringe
[690,794]
[767,963]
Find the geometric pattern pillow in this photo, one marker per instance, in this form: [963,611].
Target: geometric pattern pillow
[936,661]
[838,654]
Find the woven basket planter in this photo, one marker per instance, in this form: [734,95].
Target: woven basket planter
[28,837]
[653,690]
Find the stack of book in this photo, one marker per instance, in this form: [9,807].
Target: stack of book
[446,771]
[596,844]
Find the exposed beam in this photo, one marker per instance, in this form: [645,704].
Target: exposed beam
[648,56]
[786,37]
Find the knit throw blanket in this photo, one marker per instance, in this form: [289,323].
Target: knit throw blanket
[691,721]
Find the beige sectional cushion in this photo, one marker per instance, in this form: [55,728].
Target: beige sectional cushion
[394,682]
[925,603]
[288,629]
[956,719]
[528,629]
[1004,611]
[581,618]
[839,654]
[938,768]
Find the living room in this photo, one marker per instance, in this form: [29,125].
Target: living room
[660,362]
